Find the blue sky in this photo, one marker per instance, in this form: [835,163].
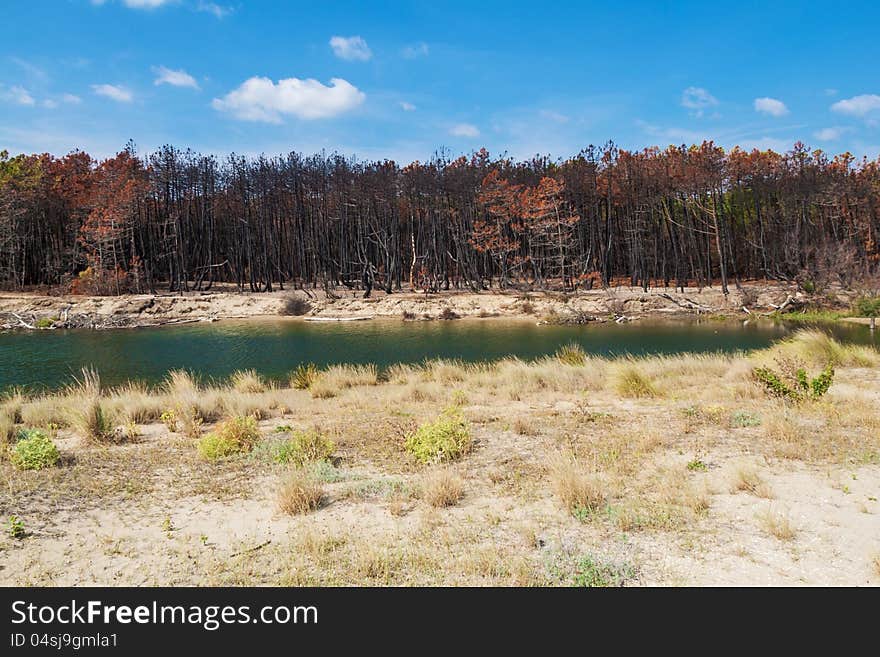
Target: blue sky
[400,80]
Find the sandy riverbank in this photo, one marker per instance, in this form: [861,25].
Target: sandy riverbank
[32,310]
[577,471]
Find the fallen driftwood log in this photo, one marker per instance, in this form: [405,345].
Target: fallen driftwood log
[336,319]
[688,304]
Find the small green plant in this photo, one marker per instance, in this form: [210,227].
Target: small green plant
[792,382]
[697,466]
[303,447]
[745,419]
[303,376]
[809,286]
[459,398]
[233,436]
[34,450]
[591,572]
[44,323]
[445,439]
[169,419]
[15,527]
[168,526]
[572,354]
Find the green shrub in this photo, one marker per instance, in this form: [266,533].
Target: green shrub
[868,307]
[233,436]
[304,447]
[34,450]
[303,376]
[793,383]
[44,322]
[445,439]
[590,572]
[572,354]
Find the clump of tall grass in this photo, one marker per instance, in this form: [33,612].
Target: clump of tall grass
[299,492]
[191,403]
[247,381]
[89,417]
[818,348]
[7,428]
[572,354]
[630,381]
[442,487]
[342,377]
[135,402]
[11,404]
[577,490]
[303,376]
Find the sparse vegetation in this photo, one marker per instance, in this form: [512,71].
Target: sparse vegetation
[247,381]
[303,447]
[625,478]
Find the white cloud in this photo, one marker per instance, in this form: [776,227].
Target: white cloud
[219,11]
[556,117]
[260,99]
[830,134]
[697,99]
[179,78]
[407,107]
[770,106]
[16,95]
[767,144]
[71,99]
[114,92]
[50,104]
[464,130]
[146,4]
[139,4]
[416,50]
[350,48]
[857,105]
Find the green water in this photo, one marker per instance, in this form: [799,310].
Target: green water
[48,359]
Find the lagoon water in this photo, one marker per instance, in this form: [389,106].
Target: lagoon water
[49,359]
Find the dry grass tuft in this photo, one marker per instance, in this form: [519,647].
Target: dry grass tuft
[776,523]
[576,489]
[300,492]
[630,381]
[442,487]
[247,381]
[745,478]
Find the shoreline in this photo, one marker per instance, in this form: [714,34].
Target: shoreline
[34,311]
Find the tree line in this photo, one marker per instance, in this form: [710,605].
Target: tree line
[685,216]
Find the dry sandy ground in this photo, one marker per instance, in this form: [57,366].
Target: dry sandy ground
[20,309]
[691,497]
